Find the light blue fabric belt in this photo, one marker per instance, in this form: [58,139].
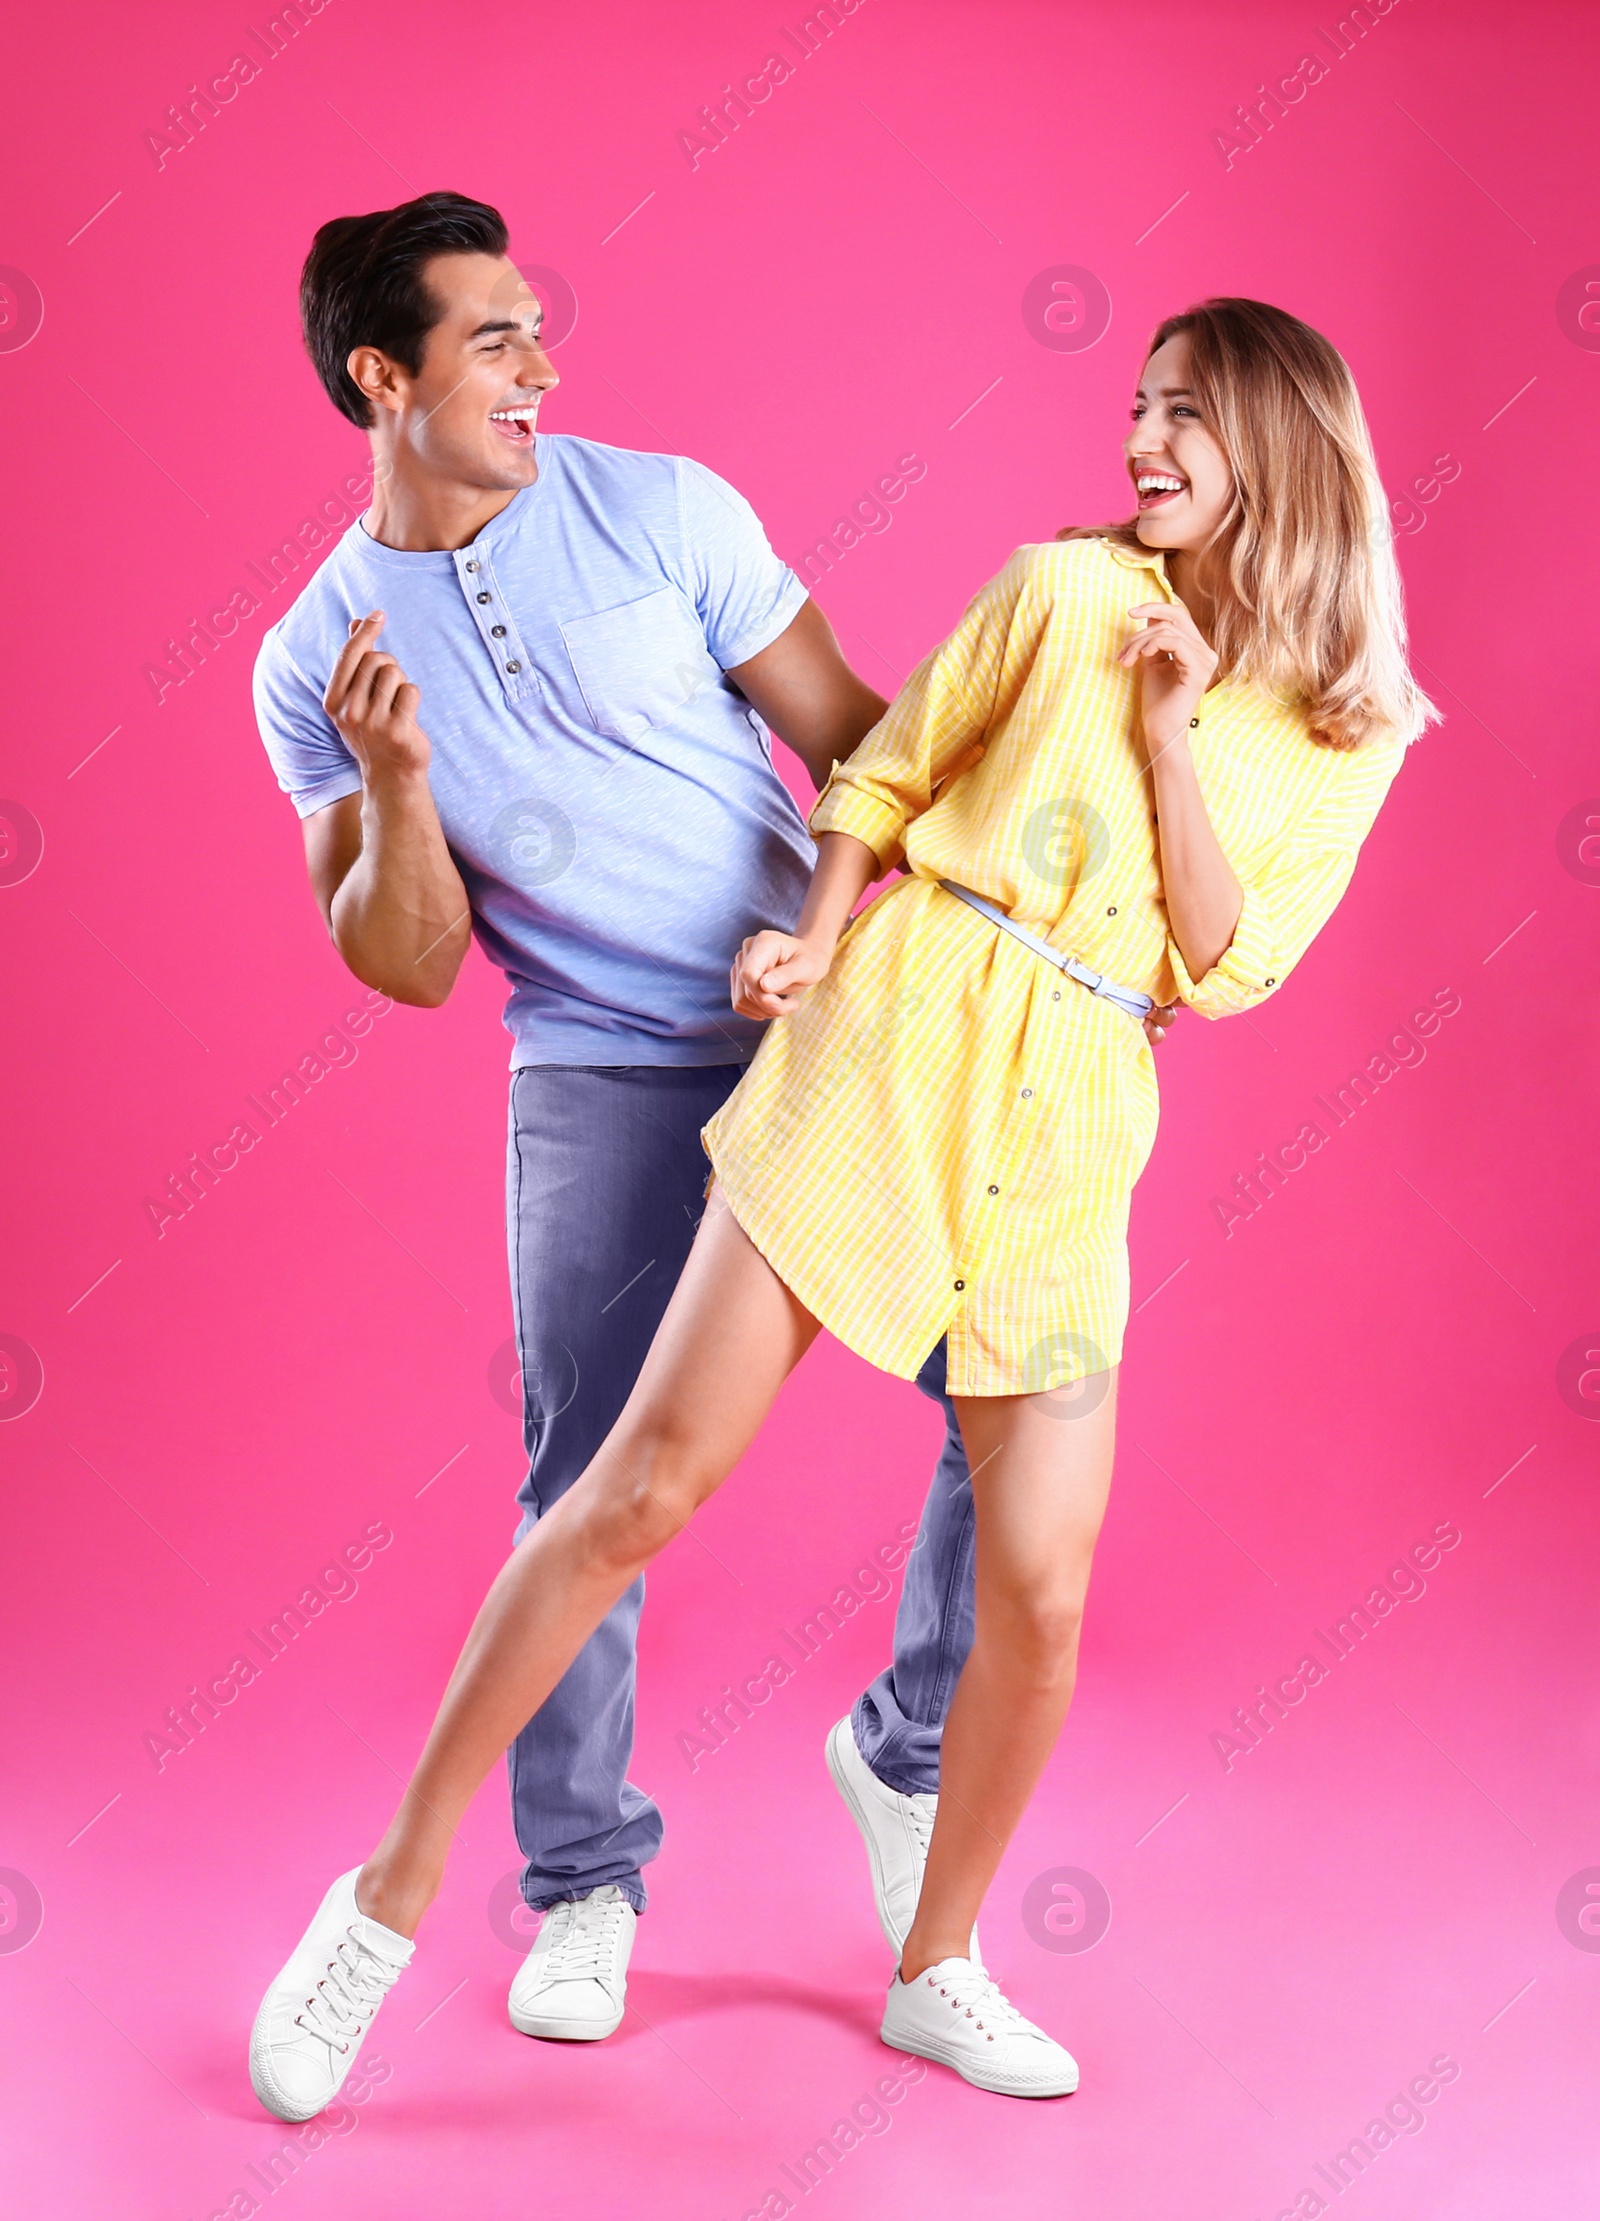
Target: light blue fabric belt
[1125,998]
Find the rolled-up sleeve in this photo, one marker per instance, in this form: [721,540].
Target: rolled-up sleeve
[1292,888]
[945,705]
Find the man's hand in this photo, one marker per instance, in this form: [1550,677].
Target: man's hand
[1156,1022]
[374,705]
[772,971]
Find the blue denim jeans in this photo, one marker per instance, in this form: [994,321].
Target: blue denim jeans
[605,1179]
[898,1720]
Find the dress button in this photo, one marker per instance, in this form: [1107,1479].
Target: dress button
[1272,983]
[960,1284]
[513,667]
[1193,722]
[1055,994]
[472,566]
[1111,913]
[483,597]
[497,632]
[1027,1091]
[994,1191]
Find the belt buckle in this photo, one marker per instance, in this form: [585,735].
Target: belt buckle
[1094,981]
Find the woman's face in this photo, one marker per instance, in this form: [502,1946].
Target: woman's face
[1179,472]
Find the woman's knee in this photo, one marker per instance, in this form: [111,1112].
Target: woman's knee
[1037,1625]
[650,1488]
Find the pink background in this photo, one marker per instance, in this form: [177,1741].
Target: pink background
[1396,1339]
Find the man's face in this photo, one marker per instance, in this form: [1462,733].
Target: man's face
[469,413]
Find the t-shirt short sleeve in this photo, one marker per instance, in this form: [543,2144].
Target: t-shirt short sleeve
[313,765]
[744,595]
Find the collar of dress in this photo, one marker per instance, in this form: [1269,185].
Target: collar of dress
[1142,559]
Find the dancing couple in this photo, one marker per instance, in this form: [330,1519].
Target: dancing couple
[1136,775]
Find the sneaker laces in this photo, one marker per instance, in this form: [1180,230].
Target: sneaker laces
[583,1945]
[921,1812]
[980,1999]
[348,1994]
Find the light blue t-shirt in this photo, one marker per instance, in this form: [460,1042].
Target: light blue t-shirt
[608,797]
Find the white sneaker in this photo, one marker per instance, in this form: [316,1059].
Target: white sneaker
[316,2015]
[574,1982]
[896,1830]
[955,2014]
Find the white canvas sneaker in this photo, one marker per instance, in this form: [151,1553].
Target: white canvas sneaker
[955,2014]
[896,1830]
[574,1982]
[315,2017]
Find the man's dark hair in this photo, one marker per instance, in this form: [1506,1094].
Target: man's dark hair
[362,284]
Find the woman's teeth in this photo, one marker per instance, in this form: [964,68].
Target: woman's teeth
[1152,484]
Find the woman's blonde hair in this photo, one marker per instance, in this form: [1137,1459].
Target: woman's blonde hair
[1302,568]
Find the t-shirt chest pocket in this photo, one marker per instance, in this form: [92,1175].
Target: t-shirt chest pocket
[638,663]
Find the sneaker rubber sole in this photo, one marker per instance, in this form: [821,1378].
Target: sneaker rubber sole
[962,2063]
[556,2030]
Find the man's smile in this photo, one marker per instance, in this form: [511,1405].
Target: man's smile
[516,424]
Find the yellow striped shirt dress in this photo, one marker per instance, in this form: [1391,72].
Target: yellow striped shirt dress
[942,1140]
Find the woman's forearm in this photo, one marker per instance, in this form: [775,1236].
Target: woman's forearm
[774,970]
[845,870]
[1203,897]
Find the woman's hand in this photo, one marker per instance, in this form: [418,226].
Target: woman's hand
[1177,663]
[772,971]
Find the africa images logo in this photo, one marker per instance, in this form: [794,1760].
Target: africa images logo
[21,309]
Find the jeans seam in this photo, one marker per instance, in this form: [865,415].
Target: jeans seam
[945,1680]
[516,1272]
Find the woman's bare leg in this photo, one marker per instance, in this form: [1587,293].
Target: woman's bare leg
[1041,1473]
[730,1337]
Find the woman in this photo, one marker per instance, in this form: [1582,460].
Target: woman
[1176,733]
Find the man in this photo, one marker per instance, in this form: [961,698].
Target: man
[562,744]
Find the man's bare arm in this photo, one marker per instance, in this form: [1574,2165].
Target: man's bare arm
[801,684]
[379,864]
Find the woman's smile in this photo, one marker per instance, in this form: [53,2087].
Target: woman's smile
[1157,489]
